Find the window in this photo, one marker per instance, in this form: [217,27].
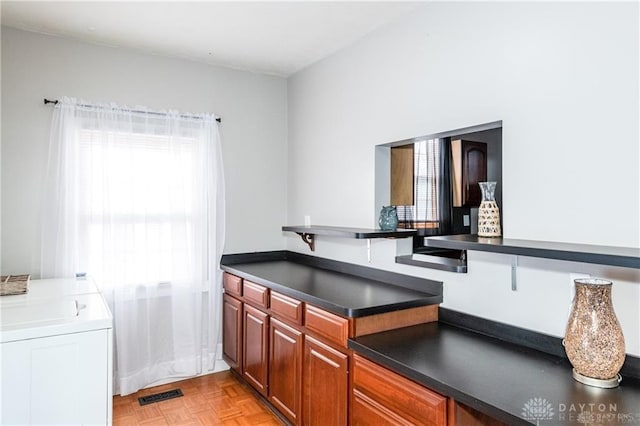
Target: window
[424,213]
[134,191]
[135,198]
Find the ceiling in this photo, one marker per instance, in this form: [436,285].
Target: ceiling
[278,38]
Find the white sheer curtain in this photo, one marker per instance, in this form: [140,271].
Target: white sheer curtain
[135,198]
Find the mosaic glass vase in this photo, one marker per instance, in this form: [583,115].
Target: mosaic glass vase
[593,341]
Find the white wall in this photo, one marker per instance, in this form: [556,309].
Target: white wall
[254,130]
[563,78]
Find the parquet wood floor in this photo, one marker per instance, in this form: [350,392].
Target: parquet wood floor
[214,399]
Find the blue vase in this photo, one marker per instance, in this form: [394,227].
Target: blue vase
[388,218]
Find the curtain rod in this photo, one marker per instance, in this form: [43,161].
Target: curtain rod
[55,101]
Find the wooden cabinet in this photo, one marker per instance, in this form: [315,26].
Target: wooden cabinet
[232,332]
[382,397]
[256,346]
[296,356]
[325,384]
[402,179]
[285,369]
[264,339]
[469,164]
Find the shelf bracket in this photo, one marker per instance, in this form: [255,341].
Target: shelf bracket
[308,239]
[514,273]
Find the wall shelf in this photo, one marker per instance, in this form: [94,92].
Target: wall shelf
[626,257]
[434,262]
[308,233]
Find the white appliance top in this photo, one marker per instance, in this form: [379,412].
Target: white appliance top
[53,307]
[52,288]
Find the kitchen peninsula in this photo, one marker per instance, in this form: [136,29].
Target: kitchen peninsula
[315,318]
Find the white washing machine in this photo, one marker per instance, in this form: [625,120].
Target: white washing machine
[56,346]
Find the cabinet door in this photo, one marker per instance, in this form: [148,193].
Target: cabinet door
[232,332]
[325,384]
[285,369]
[402,175]
[57,380]
[469,162]
[256,346]
[474,160]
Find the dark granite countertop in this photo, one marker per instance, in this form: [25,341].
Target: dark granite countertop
[498,378]
[340,292]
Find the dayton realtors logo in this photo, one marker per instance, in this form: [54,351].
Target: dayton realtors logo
[537,409]
[541,411]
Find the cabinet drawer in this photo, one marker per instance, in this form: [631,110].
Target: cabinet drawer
[366,411]
[256,294]
[388,393]
[286,308]
[232,284]
[332,327]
